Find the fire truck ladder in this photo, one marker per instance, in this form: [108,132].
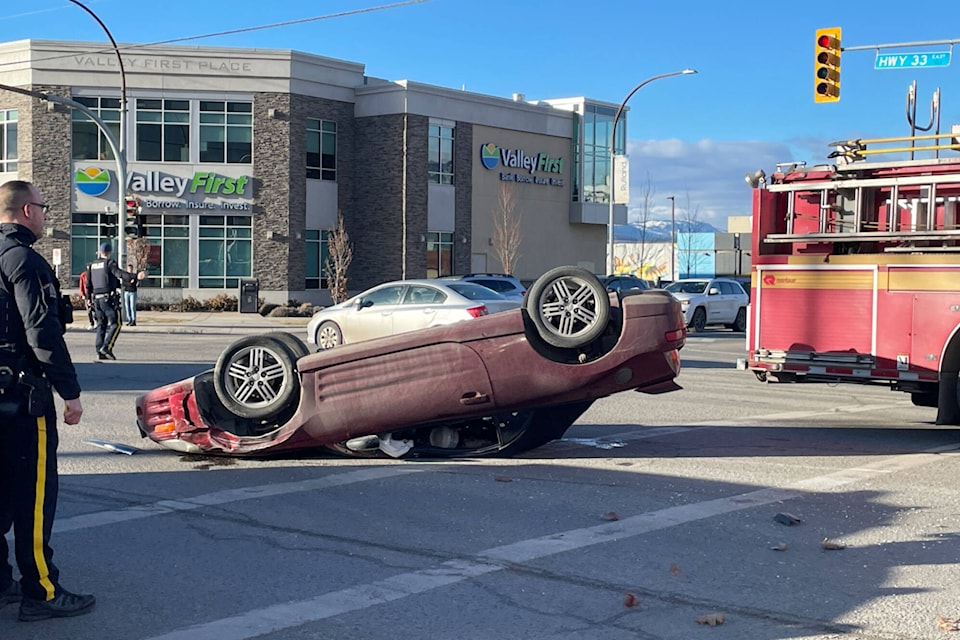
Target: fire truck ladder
[900,208]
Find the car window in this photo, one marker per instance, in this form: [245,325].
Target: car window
[384,295]
[472,291]
[419,294]
[687,287]
[497,285]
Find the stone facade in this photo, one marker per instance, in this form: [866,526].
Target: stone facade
[463,214]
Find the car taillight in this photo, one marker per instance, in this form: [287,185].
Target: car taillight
[673,360]
[676,334]
[476,312]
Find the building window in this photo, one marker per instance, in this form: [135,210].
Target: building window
[8,140]
[440,150]
[87,231]
[89,143]
[225,251]
[439,254]
[163,130]
[226,132]
[597,126]
[317,252]
[168,259]
[321,149]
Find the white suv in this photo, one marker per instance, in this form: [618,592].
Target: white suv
[711,301]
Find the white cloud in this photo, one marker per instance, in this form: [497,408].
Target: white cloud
[711,172]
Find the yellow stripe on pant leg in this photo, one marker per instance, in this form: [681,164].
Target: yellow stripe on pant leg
[41,491]
[112,340]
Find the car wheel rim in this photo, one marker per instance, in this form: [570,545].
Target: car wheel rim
[329,338]
[569,307]
[256,377]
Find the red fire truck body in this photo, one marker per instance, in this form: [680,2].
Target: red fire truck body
[856,277]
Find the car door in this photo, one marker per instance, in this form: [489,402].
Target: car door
[714,302]
[373,315]
[418,309]
[728,306]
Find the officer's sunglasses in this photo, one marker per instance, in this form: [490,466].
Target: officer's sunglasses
[45,207]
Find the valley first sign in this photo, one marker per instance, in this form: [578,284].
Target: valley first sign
[207,190]
[493,157]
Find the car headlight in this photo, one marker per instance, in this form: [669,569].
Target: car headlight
[684,303]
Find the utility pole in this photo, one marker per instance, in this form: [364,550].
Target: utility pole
[673,236]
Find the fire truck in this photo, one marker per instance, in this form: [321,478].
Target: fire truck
[856,271]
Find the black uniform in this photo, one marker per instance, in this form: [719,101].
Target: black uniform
[104,278]
[33,355]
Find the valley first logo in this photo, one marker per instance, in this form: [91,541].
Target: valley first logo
[492,156]
[95,181]
[206,182]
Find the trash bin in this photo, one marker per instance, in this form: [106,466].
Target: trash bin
[249,292]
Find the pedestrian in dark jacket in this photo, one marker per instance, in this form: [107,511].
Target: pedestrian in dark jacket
[34,362]
[130,286]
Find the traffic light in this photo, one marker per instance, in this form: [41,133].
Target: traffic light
[133,225]
[827,65]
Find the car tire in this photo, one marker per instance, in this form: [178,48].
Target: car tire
[256,378]
[569,307]
[297,346]
[740,324]
[699,320]
[328,336]
[549,424]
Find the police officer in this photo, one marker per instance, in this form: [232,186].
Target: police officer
[104,279]
[33,356]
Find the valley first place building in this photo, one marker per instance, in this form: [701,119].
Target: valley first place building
[242,160]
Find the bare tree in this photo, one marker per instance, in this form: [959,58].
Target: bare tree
[643,218]
[687,246]
[138,253]
[339,257]
[506,229]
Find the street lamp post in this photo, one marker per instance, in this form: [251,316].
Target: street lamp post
[673,236]
[121,143]
[613,153]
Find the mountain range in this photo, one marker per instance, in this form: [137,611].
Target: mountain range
[658,230]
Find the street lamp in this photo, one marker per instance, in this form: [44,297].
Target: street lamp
[121,152]
[613,153]
[673,235]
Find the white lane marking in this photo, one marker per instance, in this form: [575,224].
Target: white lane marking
[260,622]
[163,507]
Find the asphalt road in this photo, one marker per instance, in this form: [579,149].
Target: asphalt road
[666,503]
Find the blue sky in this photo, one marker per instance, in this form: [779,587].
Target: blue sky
[750,106]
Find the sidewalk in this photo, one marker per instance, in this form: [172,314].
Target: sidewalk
[207,322]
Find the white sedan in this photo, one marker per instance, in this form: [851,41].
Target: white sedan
[400,306]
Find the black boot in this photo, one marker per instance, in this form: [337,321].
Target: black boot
[11,594]
[63,605]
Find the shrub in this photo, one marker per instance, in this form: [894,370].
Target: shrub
[222,302]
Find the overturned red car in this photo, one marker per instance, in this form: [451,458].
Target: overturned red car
[497,385]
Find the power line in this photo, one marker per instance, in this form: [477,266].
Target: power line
[263,27]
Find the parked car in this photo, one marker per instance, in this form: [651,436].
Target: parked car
[709,301]
[506,285]
[403,305]
[497,385]
[624,282]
